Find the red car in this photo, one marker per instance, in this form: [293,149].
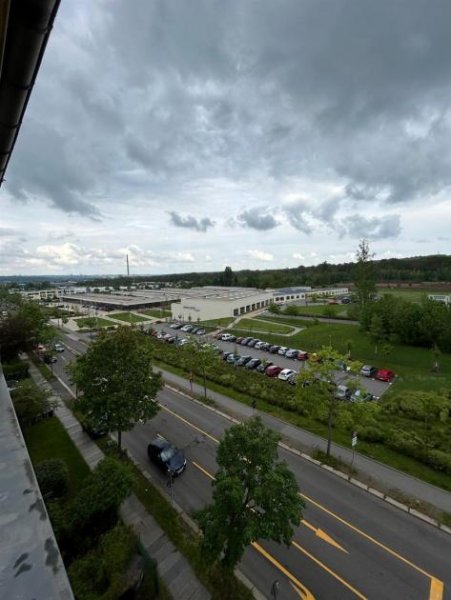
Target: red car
[385,375]
[302,355]
[273,371]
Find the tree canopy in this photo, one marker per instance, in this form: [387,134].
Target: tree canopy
[255,495]
[117,384]
[24,326]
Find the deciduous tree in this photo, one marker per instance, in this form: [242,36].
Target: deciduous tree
[364,275]
[255,495]
[116,381]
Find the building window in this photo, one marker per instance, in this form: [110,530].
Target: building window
[235,312]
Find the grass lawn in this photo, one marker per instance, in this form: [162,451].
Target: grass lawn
[217,322]
[260,326]
[86,322]
[412,294]
[324,310]
[157,313]
[49,439]
[412,364]
[129,317]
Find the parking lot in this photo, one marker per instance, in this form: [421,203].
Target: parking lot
[373,386]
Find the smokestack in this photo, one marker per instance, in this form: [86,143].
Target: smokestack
[128,267]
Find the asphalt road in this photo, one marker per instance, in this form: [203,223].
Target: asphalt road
[351,543]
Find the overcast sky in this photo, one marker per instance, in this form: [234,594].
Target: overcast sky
[257,134]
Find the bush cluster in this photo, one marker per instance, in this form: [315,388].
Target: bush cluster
[53,477]
[15,369]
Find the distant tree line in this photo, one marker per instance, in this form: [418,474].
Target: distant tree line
[434,268]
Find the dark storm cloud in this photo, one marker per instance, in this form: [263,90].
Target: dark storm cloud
[190,222]
[375,228]
[258,218]
[356,90]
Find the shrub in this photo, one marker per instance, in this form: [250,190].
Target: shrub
[15,369]
[53,477]
[32,403]
[371,434]
[441,461]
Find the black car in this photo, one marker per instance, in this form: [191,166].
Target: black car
[245,341]
[167,457]
[274,349]
[253,363]
[242,361]
[263,366]
[251,343]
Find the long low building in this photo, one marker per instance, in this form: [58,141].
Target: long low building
[220,303]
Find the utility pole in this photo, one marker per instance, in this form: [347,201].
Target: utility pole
[128,266]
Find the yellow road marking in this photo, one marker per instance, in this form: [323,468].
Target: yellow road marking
[437,586]
[203,470]
[306,594]
[437,589]
[328,570]
[323,536]
[435,583]
[296,589]
[190,424]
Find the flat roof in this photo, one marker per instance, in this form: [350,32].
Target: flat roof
[31,565]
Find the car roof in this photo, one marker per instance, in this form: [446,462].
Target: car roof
[160,443]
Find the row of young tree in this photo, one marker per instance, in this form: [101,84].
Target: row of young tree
[117,387]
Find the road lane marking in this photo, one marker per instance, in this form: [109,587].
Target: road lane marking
[328,570]
[323,535]
[64,384]
[437,586]
[190,424]
[437,589]
[300,548]
[296,589]
[306,594]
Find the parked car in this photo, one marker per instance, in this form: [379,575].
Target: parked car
[175,325]
[242,361]
[342,392]
[385,375]
[273,371]
[239,339]
[182,342]
[245,341]
[49,359]
[201,331]
[97,430]
[362,396]
[281,351]
[285,374]
[302,355]
[58,347]
[368,371]
[253,342]
[226,354]
[291,353]
[265,347]
[227,337]
[194,329]
[253,363]
[259,345]
[263,366]
[274,349]
[186,328]
[292,379]
[166,456]
[232,358]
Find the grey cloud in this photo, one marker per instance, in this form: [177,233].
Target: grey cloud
[375,228]
[8,232]
[258,218]
[190,222]
[297,215]
[223,89]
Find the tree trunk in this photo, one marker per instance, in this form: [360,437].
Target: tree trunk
[119,440]
[205,385]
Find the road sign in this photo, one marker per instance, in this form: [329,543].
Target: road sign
[354,439]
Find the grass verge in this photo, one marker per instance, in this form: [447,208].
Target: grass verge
[48,439]
[87,322]
[260,326]
[221,584]
[128,317]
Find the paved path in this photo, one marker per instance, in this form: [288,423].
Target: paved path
[173,567]
[376,474]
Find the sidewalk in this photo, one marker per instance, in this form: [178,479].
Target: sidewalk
[173,568]
[376,474]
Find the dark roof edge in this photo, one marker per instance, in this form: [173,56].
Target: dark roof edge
[27,32]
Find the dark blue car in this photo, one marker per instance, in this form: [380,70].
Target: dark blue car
[166,456]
